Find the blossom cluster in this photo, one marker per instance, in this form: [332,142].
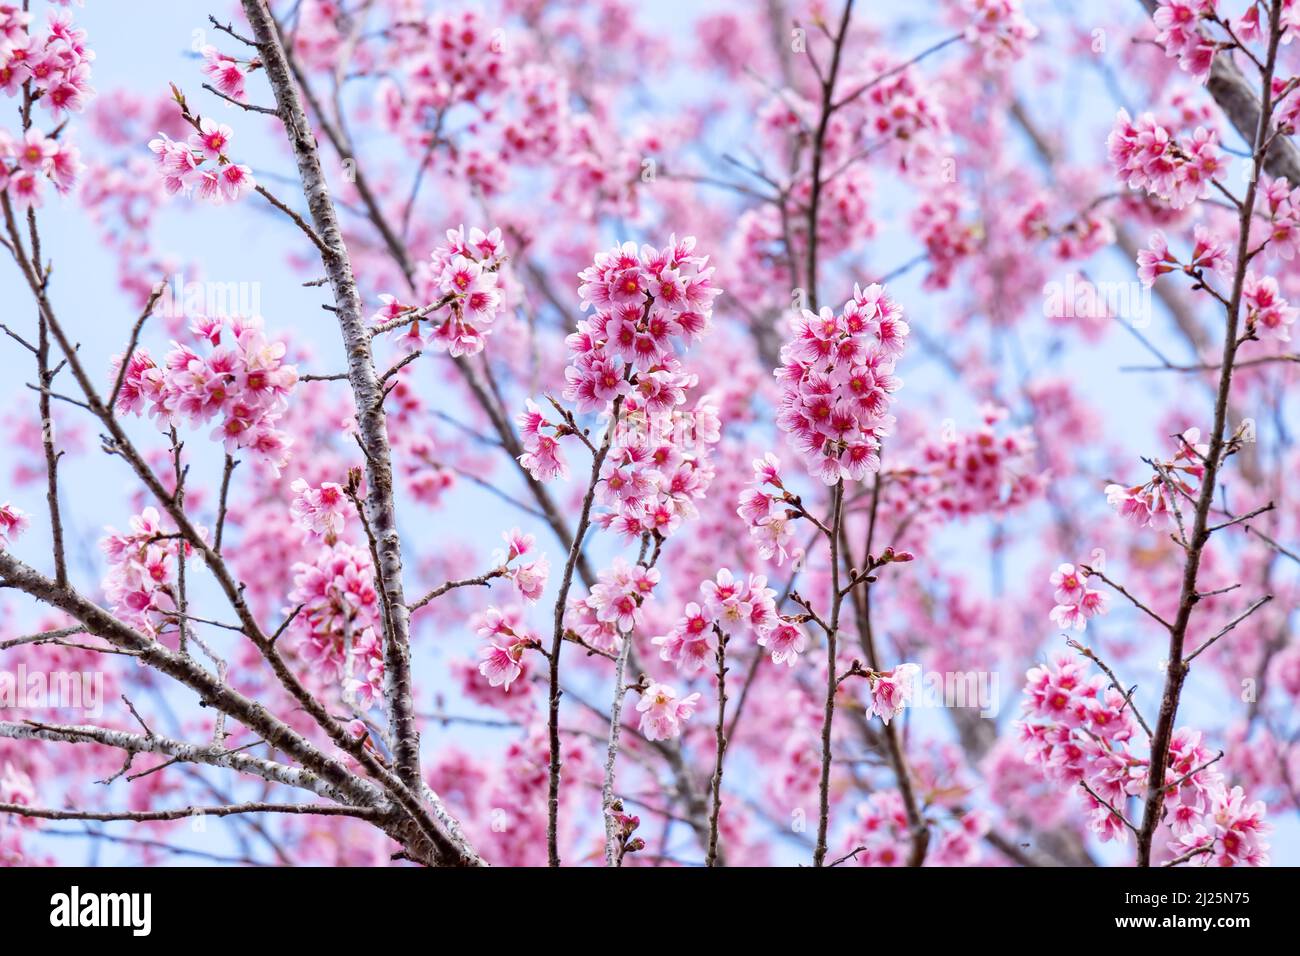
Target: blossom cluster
[25,164]
[16,788]
[1179,32]
[1075,601]
[998,28]
[1229,832]
[1079,731]
[57,65]
[1151,503]
[881,831]
[245,384]
[836,379]
[1282,204]
[731,606]
[140,583]
[540,127]
[770,511]
[613,608]
[1209,257]
[657,469]
[1267,312]
[980,471]
[454,58]
[461,281]
[938,223]
[646,300]
[1148,156]
[899,107]
[201,165]
[538,131]
[340,619]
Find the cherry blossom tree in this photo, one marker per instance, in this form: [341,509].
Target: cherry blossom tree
[713,441]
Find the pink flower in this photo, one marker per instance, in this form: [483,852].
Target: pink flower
[213,138]
[236,181]
[518,544]
[65,167]
[530,579]
[1266,310]
[320,511]
[545,461]
[227,75]
[662,713]
[13,522]
[767,470]
[1155,260]
[785,641]
[892,690]
[364,682]
[500,665]
[36,152]
[691,645]
[1068,583]
[70,92]
[728,601]
[508,638]
[1210,252]
[25,187]
[1069,616]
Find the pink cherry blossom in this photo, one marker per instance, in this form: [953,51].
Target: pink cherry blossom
[663,712]
[13,522]
[321,510]
[1148,156]
[1075,601]
[892,690]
